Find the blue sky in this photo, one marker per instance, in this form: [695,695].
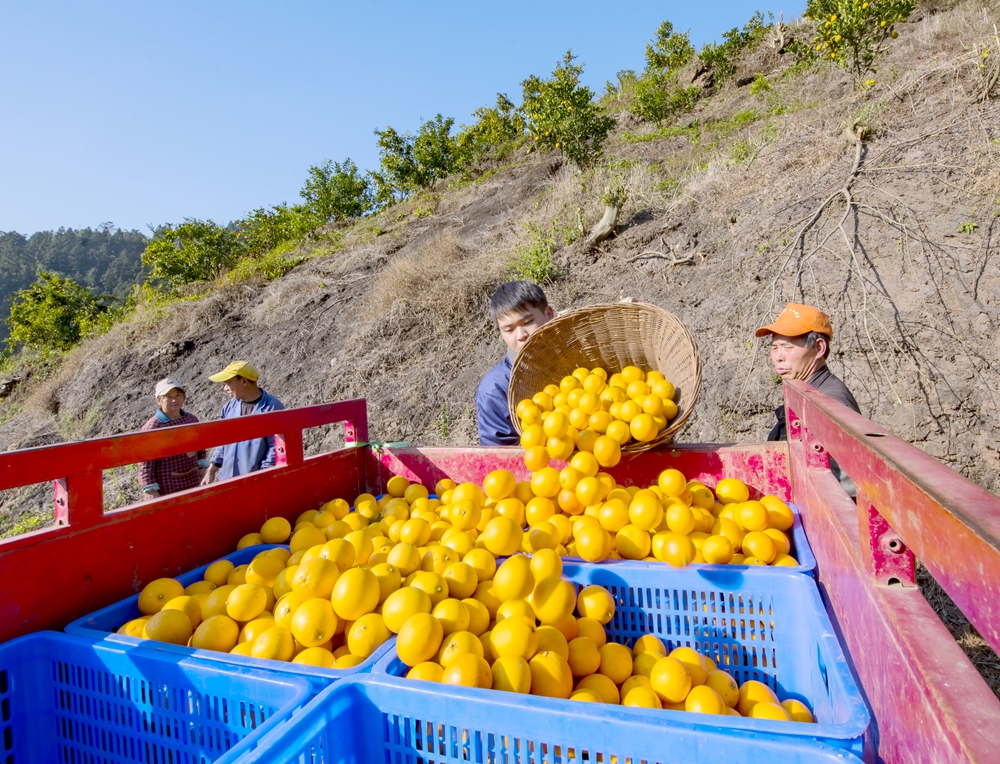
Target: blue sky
[148,112]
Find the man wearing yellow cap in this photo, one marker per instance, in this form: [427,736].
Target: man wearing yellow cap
[246,398]
[800,346]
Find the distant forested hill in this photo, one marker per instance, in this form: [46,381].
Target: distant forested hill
[108,260]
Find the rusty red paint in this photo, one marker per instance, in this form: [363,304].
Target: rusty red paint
[929,703]
[882,550]
[951,524]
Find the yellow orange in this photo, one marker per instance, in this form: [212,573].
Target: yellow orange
[355,593]
[456,644]
[551,676]
[758,544]
[366,634]
[469,670]
[315,578]
[616,662]
[725,686]
[172,626]
[670,680]
[246,602]
[428,671]
[188,605]
[511,673]
[313,623]
[779,514]
[402,604]
[753,692]
[704,700]
[220,632]
[672,482]
[602,687]
[158,593]
[642,697]
[753,516]
[276,643]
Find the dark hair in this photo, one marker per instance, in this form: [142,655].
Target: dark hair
[811,342]
[517,295]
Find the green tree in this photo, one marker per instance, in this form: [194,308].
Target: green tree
[195,250]
[496,132]
[337,191]
[669,51]
[721,57]
[655,99]
[856,33]
[267,227]
[409,163]
[562,114]
[54,313]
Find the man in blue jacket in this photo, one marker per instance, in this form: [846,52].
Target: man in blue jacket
[234,459]
[518,308]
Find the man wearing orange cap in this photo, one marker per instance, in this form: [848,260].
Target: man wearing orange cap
[800,346]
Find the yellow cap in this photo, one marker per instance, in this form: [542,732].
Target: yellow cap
[236,369]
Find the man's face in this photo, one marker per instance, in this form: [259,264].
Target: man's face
[792,359]
[518,325]
[235,387]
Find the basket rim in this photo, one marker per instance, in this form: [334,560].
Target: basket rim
[632,446]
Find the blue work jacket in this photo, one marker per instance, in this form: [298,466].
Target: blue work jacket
[246,456]
[492,410]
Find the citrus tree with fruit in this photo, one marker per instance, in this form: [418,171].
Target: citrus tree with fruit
[562,114]
[856,33]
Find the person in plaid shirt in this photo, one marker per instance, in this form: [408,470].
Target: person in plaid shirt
[171,473]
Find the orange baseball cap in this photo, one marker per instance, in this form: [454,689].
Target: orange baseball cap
[796,320]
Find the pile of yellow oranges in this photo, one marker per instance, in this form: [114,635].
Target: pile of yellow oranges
[581,511]
[539,637]
[318,601]
[590,412]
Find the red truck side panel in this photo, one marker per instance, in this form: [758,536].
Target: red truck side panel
[929,703]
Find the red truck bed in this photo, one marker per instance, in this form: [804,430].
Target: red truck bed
[929,703]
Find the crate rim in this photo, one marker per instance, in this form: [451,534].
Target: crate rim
[622,717]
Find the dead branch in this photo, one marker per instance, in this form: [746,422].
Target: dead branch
[671,259]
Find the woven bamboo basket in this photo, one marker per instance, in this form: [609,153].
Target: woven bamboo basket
[611,336]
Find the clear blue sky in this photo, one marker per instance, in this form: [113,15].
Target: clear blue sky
[148,112]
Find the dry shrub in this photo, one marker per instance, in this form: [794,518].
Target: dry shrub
[436,283]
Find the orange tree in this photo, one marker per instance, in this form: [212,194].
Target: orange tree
[562,114]
[855,33]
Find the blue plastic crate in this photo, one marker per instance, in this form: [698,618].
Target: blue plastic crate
[382,719]
[753,624]
[70,699]
[103,624]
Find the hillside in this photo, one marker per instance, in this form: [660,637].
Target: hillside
[880,205]
[396,312]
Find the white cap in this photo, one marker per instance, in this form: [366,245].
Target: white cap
[164,386]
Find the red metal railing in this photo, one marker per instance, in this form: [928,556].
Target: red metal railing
[91,558]
[929,703]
